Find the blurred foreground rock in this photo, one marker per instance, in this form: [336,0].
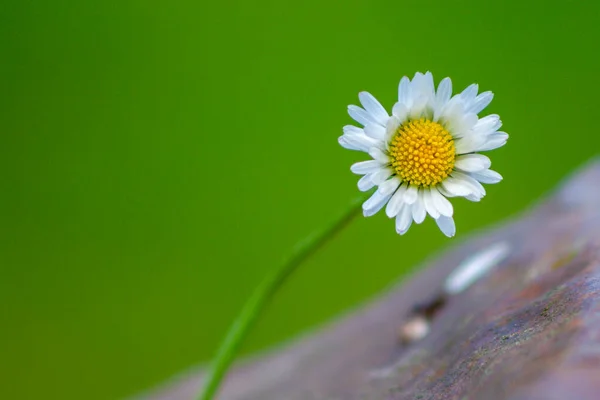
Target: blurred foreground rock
[529,329]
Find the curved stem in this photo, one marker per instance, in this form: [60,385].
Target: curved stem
[263,293]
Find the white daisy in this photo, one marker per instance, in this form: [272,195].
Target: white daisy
[425,152]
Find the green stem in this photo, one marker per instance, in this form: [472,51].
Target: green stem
[263,293]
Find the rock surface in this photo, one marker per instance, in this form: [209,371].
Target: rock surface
[528,329]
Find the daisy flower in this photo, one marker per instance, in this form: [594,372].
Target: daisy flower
[425,152]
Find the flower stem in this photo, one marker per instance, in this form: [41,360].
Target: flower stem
[264,292]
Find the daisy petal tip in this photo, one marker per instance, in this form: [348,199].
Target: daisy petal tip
[446,225]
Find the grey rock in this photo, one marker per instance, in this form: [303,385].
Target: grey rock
[528,329]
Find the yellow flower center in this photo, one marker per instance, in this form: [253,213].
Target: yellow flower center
[422,152]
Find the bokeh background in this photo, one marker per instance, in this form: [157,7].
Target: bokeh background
[157,158]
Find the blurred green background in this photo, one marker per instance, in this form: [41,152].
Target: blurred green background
[157,158]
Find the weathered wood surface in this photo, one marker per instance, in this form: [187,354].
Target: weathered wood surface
[529,329]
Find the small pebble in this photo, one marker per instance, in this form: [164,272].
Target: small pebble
[416,328]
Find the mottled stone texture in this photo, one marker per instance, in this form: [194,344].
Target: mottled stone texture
[529,329]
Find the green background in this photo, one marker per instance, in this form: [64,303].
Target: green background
[157,158]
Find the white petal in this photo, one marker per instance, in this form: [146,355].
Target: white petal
[375,131]
[430,87]
[419,107]
[351,129]
[441,203]
[470,143]
[456,187]
[416,80]
[379,155]
[429,204]
[411,194]
[373,107]
[418,209]
[473,197]
[466,180]
[389,186]
[480,102]
[400,112]
[453,113]
[349,144]
[404,92]
[392,127]
[365,183]
[422,90]
[469,121]
[486,176]
[487,125]
[360,142]
[444,192]
[366,167]
[380,176]
[444,91]
[396,202]
[468,95]
[446,225]
[442,97]
[361,116]
[492,142]
[462,124]
[374,203]
[472,162]
[403,220]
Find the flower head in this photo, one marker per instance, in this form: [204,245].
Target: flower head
[425,152]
